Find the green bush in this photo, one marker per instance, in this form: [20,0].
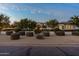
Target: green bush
[30,34]
[39,36]
[56,29]
[60,33]
[37,31]
[0,28]
[75,33]
[46,33]
[15,36]
[45,30]
[30,29]
[22,33]
[9,32]
[78,30]
[17,29]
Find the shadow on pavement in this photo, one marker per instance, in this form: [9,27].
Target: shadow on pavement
[38,51]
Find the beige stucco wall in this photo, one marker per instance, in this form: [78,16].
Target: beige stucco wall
[66,26]
[60,26]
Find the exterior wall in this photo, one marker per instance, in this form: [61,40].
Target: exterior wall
[61,26]
[66,26]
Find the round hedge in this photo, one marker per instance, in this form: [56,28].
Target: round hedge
[22,33]
[75,33]
[60,33]
[39,36]
[17,29]
[15,36]
[9,32]
[30,34]
[46,33]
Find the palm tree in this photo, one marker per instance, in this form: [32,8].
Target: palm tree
[75,20]
[52,23]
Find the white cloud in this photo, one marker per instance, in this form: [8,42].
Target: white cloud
[60,14]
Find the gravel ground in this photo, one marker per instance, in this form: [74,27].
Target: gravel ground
[53,40]
[67,45]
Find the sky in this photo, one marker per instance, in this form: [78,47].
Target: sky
[40,12]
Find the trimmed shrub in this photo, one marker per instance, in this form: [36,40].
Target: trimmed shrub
[60,33]
[17,29]
[9,32]
[30,34]
[22,33]
[45,30]
[26,29]
[75,33]
[46,33]
[30,30]
[0,30]
[15,36]
[56,29]
[37,31]
[39,36]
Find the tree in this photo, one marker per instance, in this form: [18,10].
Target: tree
[1,18]
[52,23]
[15,24]
[75,20]
[31,24]
[26,23]
[44,26]
[23,23]
[4,21]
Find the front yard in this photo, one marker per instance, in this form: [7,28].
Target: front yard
[52,40]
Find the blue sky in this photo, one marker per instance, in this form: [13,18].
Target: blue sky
[40,12]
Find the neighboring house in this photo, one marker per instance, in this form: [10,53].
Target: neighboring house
[66,26]
[62,26]
[41,25]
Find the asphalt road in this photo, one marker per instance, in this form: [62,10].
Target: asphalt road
[38,51]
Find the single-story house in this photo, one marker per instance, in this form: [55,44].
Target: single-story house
[66,26]
[61,25]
